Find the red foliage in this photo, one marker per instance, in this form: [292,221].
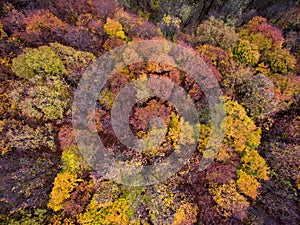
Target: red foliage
[260,25]
[70,10]
[220,173]
[66,137]
[141,116]
[78,200]
[13,23]
[136,27]
[111,43]
[43,27]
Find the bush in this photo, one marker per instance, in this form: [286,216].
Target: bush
[217,33]
[186,214]
[241,131]
[111,205]
[23,136]
[256,94]
[43,27]
[75,62]
[73,162]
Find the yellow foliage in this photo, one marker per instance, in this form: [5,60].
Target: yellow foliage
[240,129]
[247,184]
[187,214]
[229,201]
[253,164]
[114,29]
[64,184]
[2,32]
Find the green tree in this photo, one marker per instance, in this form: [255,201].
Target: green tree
[217,33]
[247,53]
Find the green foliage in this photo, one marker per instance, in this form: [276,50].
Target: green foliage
[280,60]
[114,29]
[269,41]
[155,4]
[229,201]
[75,61]
[42,61]
[45,100]
[204,132]
[28,217]
[64,184]
[110,206]
[45,94]
[170,26]
[72,161]
[247,184]
[107,98]
[216,32]
[246,52]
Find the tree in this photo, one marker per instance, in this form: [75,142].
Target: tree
[114,29]
[45,102]
[42,62]
[64,184]
[247,184]
[247,53]
[229,201]
[217,33]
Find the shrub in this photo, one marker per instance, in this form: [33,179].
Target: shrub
[136,27]
[111,205]
[75,62]
[66,137]
[73,162]
[240,129]
[216,55]
[170,26]
[217,33]
[2,32]
[23,136]
[260,25]
[43,27]
[256,94]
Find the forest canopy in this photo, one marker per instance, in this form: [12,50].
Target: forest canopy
[250,47]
